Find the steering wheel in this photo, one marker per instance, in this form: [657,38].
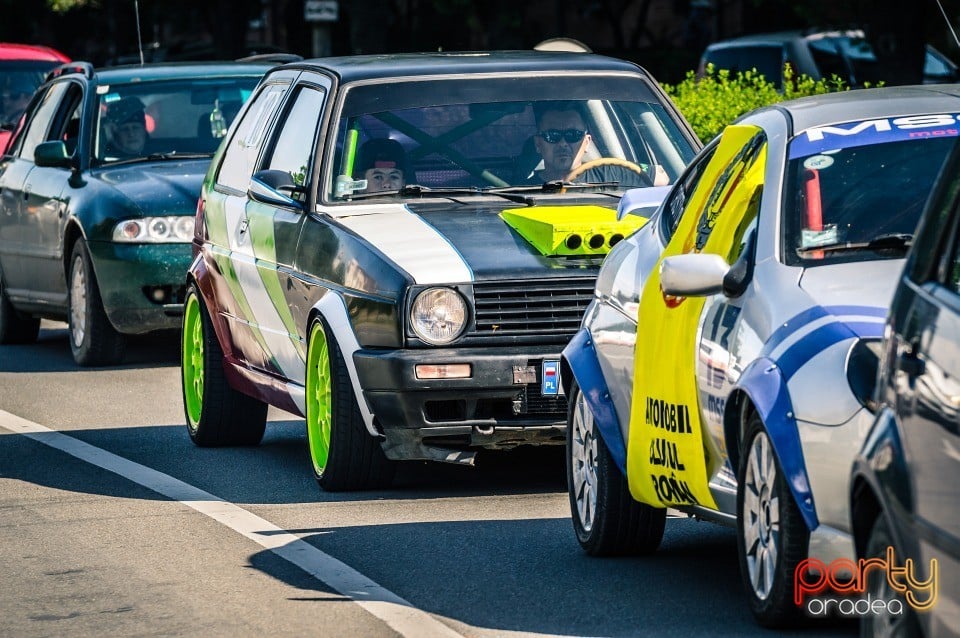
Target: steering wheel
[605,161]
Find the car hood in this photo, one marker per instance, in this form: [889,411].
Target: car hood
[159,188]
[866,283]
[489,246]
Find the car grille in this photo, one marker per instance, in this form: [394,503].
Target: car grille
[539,310]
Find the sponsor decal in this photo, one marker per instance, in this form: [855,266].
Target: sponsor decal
[821,139]
[666,464]
[822,590]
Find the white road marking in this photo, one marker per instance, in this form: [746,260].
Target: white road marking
[397,613]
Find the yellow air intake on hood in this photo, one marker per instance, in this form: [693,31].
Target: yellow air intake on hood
[571,230]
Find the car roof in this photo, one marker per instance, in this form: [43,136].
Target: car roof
[174,70]
[372,67]
[14,51]
[868,104]
[782,37]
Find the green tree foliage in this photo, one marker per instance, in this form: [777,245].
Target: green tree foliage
[711,102]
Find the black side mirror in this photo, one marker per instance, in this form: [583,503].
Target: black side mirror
[52,154]
[741,272]
[275,187]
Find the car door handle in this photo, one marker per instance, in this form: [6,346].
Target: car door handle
[911,364]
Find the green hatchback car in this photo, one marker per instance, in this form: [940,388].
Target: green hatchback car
[98,191]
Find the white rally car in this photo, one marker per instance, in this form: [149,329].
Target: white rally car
[726,365]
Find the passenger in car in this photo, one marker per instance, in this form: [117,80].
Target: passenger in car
[127,122]
[383,163]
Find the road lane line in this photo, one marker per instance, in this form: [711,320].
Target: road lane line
[399,614]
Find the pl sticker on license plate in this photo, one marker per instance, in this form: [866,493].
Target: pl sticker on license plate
[551,378]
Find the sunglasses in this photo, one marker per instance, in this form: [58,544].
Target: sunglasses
[570,135]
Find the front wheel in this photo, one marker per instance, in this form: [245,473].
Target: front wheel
[93,339]
[886,625]
[216,414]
[343,454]
[772,537]
[606,519]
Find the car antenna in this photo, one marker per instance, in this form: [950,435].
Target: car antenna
[136,9]
[954,33]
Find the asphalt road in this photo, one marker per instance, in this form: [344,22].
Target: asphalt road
[112,522]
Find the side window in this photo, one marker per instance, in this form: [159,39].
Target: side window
[681,194]
[66,123]
[293,147]
[243,148]
[39,125]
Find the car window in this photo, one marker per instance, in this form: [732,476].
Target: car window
[294,146]
[243,148]
[182,116]
[66,122]
[675,206]
[485,133]
[767,59]
[19,80]
[40,122]
[859,182]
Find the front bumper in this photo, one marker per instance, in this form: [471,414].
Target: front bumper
[142,285]
[500,406]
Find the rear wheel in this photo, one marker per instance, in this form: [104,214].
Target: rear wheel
[343,454]
[15,328]
[771,534]
[93,340]
[216,414]
[606,519]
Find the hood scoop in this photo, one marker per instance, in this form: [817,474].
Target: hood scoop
[571,230]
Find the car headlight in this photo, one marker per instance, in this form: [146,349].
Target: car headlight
[438,315]
[151,230]
[862,365]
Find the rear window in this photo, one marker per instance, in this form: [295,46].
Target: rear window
[767,59]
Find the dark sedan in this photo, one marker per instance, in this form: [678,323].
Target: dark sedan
[98,190]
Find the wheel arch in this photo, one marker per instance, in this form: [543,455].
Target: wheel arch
[763,389]
[331,309]
[71,233]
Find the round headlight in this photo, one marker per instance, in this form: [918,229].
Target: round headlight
[158,228]
[438,315]
[183,228]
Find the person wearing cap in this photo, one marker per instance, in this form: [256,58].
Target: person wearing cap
[383,163]
[14,98]
[128,127]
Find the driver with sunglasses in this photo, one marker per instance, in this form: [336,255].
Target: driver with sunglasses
[561,141]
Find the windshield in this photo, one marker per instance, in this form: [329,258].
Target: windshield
[496,133]
[852,188]
[171,117]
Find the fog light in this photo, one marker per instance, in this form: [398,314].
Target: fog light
[158,295]
[443,371]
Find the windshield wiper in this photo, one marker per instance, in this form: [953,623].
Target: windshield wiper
[160,157]
[418,190]
[893,241]
[513,193]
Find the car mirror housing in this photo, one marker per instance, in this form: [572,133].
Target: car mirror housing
[52,154]
[693,275]
[272,186]
[642,201]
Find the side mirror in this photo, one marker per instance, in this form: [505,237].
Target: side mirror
[52,154]
[642,201]
[693,275]
[272,187]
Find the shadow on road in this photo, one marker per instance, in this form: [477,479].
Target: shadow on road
[51,352]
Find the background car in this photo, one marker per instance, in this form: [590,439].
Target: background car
[905,484]
[97,196]
[726,361]
[22,68]
[424,321]
[818,54]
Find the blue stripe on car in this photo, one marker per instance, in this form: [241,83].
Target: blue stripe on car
[795,323]
[767,388]
[582,357]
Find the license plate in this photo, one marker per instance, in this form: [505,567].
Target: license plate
[550,379]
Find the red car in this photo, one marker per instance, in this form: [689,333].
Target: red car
[22,68]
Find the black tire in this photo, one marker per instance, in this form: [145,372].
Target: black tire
[618,525]
[93,339]
[15,328]
[906,625]
[216,414]
[771,602]
[354,459]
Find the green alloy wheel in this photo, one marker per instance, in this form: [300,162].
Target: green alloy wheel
[216,414]
[343,454]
